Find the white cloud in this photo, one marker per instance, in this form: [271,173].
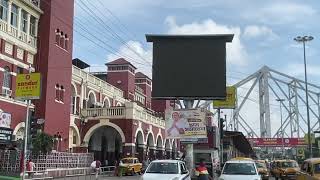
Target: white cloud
[254,31]
[236,52]
[282,13]
[134,52]
[296,69]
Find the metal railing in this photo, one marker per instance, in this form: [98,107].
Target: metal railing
[112,112]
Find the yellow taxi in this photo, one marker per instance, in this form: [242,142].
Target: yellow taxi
[262,169]
[284,169]
[241,158]
[310,170]
[131,165]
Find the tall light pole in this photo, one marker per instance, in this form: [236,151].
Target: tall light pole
[303,40]
[281,126]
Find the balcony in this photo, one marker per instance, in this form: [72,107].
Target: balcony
[130,111]
[13,31]
[97,84]
[35,3]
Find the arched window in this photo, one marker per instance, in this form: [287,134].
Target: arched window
[6,78]
[61,40]
[57,88]
[57,36]
[66,41]
[62,93]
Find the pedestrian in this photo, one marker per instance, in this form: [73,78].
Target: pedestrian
[116,168]
[30,168]
[121,168]
[95,165]
[202,172]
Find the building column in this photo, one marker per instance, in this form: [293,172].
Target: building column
[19,21]
[36,27]
[9,13]
[28,26]
[151,153]
[168,153]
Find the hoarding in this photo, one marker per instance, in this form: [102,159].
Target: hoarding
[28,86]
[229,102]
[277,142]
[5,119]
[186,123]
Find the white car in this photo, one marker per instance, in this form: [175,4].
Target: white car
[166,170]
[240,169]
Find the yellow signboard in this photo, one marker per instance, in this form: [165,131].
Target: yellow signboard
[230,101]
[28,86]
[313,138]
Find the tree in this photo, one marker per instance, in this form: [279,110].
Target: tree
[42,143]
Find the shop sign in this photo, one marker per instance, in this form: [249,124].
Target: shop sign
[5,135]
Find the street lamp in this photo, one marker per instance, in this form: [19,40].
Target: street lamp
[303,40]
[281,127]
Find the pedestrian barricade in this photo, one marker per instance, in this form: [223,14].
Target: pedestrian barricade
[107,170]
[66,173]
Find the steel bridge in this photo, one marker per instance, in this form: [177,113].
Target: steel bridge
[263,88]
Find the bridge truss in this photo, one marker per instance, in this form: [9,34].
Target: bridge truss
[263,88]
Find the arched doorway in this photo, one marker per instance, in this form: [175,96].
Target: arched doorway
[159,150]
[150,147]
[106,103]
[168,149]
[139,146]
[106,144]
[91,101]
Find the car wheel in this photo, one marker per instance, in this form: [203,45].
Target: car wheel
[140,172]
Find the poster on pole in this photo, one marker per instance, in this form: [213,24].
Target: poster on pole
[186,123]
[229,102]
[28,86]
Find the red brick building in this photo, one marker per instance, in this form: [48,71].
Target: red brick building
[110,114]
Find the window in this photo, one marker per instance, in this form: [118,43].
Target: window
[19,70]
[57,88]
[4,9]
[6,78]
[66,42]
[24,21]
[61,43]
[61,99]
[33,26]
[74,137]
[57,36]
[14,15]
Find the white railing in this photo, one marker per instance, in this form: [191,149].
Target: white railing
[13,31]
[99,83]
[110,113]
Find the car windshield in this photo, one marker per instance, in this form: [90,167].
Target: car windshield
[239,168]
[127,161]
[260,165]
[317,168]
[163,168]
[289,164]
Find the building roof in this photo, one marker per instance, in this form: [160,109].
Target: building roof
[141,75]
[120,61]
[157,37]
[79,63]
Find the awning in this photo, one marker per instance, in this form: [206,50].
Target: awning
[240,142]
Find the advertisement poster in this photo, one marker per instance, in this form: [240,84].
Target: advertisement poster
[230,102]
[187,123]
[28,86]
[5,119]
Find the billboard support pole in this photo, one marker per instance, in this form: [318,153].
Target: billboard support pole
[189,147]
[26,128]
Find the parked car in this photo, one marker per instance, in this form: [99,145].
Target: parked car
[166,170]
[131,165]
[310,169]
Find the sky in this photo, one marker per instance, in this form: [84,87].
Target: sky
[263,34]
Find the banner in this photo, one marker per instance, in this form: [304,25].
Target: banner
[229,102]
[5,119]
[28,86]
[188,123]
[277,142]
[5,135]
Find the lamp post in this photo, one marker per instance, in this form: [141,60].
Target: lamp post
[281,126]
[303,40]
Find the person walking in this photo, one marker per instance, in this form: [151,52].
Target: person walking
[30,168]
[202,172]
[96,167]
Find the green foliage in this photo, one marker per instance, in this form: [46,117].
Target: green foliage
[42,143]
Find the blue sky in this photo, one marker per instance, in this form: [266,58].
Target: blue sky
[264,32]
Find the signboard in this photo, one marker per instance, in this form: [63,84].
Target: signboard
[186,123]
[5,135]
[313,138]
[5,119]
[28,86]
[300,152]
[276,142]
[230,101]
[194,140]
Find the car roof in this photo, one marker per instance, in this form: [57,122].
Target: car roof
[130,158]
[284,160]
[240,161]
[167,161]
[313,160]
